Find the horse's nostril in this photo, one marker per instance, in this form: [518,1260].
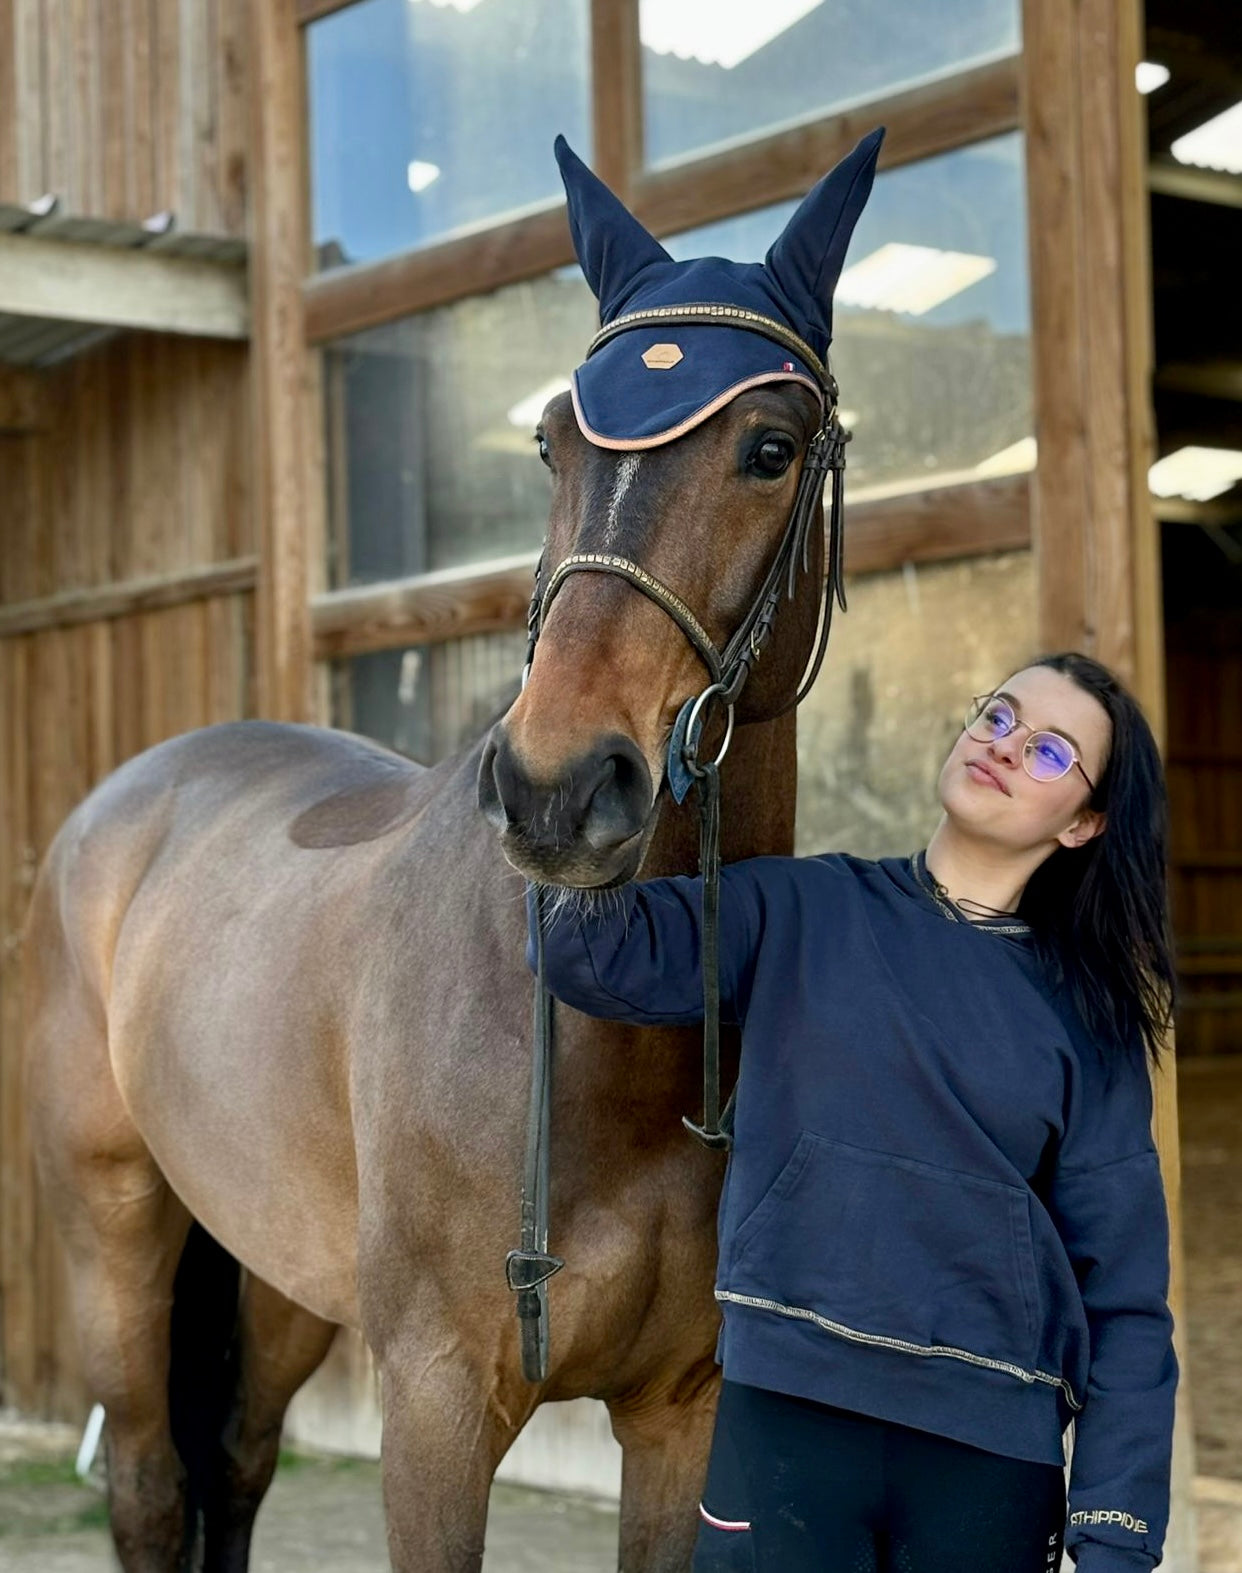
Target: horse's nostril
[488,793]
[617,805]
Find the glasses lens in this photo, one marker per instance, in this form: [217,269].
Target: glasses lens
[1048,756]
[989,718]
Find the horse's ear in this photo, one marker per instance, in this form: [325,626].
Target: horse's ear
[807,258]
[612,246]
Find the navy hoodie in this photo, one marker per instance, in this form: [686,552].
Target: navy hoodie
[943,1206]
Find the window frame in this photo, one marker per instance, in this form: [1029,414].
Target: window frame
[939,115]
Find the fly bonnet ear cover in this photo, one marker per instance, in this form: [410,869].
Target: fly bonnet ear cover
[654,371]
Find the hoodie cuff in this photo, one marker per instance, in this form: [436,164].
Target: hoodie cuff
[1095,1557]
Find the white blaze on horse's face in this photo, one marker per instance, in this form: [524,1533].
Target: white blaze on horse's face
[627,469]
[571,779]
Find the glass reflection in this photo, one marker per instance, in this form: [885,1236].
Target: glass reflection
[430,422]
[931,343]
[712,72]
[429,115]
[875,730]
[429,419]
[427,701]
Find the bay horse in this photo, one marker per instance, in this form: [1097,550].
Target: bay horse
[279,1048]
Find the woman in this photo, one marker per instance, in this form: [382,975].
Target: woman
[943,1232]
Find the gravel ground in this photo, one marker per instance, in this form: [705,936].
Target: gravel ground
[320,1513]
[325,1513]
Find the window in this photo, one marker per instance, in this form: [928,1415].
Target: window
[430,424]
[931,323]
[430,115]
[428,700]
[713,72]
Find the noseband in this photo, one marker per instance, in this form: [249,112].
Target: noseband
[528,1269]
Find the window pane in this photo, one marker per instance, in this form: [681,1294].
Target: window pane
[901,667]
[427,115]
[712,71]
[935,371]
[430,423]
[429,700]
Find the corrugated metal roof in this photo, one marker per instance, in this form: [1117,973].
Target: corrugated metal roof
[37,341]
[42,341]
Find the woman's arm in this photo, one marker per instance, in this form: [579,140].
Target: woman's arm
[1113,1220]
[635,955]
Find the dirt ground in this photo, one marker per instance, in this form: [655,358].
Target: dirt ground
[325,1513]
[1210,1119]
[320,1513]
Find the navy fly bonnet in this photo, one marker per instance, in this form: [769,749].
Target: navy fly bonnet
[674,344]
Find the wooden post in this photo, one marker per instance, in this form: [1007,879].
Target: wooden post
[616,93]
[288,491]
[1095,538]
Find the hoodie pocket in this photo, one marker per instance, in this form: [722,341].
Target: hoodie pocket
[894,1247]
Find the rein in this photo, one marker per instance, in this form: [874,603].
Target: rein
[528,1269]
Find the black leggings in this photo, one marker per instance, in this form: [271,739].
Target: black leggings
[800,1487]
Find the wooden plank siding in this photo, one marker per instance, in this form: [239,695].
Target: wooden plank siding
[132,460]
[143,470]
[126,110]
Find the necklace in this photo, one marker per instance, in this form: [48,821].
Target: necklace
[955,911]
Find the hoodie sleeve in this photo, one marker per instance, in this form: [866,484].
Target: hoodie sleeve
[635,957]
[1108,1204]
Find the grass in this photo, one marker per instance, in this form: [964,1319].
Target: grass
[71,1506]
[45,1496]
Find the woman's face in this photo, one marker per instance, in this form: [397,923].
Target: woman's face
[986,791]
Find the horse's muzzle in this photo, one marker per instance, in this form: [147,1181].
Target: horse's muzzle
[584,826]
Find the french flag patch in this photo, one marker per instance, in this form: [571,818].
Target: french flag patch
[733,1524]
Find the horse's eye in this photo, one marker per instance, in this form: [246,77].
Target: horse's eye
[772,457]
[543,448]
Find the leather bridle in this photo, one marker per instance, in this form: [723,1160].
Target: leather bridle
[528,1269]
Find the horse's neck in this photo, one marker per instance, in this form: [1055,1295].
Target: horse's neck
[758,784]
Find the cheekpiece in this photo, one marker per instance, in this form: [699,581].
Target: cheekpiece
[680,340]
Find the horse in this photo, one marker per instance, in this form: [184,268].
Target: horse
[279,1046]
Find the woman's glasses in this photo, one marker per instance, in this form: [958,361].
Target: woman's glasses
[1047,756]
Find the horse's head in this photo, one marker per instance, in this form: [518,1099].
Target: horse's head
[677,482]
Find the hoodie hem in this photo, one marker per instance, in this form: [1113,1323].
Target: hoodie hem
[974,1405]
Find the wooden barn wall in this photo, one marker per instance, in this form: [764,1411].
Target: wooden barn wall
[141,470]
[1204,768]
[127,109]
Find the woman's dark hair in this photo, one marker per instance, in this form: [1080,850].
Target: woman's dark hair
[1100,912]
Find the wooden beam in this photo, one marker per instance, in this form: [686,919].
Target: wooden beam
[1214,379]
[1167,178]
[346,300]
[1095,538]
[122,288]
[73,607]
[308,11]
[1097,544]
[1181,510]
[933,117]
[424,608]
[921,121]
[938,524]
[617,93]
[494,597]
[288,482]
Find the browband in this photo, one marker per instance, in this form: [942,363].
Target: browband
[700,314]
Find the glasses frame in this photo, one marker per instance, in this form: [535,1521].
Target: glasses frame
[975,710]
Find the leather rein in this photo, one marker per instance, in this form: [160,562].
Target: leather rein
[528,1268]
